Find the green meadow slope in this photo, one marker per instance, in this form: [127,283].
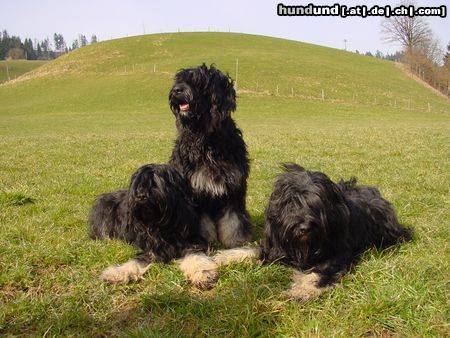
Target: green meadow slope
[80,125]
[10,70]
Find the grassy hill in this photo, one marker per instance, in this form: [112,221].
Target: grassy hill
[80,125]
[16,68]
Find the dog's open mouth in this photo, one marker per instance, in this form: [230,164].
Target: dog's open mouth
[184,106]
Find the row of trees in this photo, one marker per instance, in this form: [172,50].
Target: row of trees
[421,50]
[13,47]
[397,56]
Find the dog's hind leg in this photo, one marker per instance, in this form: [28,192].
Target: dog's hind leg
[208,229]
[199,269]
[234,228]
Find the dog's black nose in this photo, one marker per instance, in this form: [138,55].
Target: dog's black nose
[303,229]
[177,89]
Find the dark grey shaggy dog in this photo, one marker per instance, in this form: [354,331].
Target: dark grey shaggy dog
[211,153]
[321,228]
[157,214]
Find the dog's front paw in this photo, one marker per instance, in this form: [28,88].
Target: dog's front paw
[199,269]
[204,279]
[129,271]
[304,287]
[225,257]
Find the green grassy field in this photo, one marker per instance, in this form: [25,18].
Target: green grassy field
[16,68]
[80,125]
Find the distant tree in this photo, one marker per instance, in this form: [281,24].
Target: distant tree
[45,47]
[75,44]
[3,44]
[447,57]
[39,54]
[83,40]
[410,32]
[422,51]
[30,53]
[379,54]
[432,50]
[16,53]
[397,56]
[60,44]
[368,54]
[93,39]
[357,51]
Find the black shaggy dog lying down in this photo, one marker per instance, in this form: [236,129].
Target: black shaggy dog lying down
[211,153]
[321,228]
[156,214]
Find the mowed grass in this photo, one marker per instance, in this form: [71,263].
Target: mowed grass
[81,125]
[10,70]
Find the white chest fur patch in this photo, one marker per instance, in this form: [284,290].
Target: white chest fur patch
[201,182]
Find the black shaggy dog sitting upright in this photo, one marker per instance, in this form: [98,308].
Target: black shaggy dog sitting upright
[211,153]
[321,228]
[156,214]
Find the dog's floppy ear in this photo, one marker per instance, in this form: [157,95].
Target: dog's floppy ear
[141,183]
[290,166]
[223,95]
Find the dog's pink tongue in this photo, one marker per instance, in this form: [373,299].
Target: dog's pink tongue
[184,106]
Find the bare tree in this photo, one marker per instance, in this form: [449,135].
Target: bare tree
[410,32]
[60,44]
[432,49]
[447,57]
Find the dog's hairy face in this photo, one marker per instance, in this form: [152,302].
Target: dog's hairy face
[304,211]
[202,95]
[155,193]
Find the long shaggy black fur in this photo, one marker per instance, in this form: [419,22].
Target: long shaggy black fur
[211,152]
[316,225]
[156,213]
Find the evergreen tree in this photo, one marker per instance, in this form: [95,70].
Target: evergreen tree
[3,44]
[378,54]
[29,50]
[39,54]
[83,40]
[75,44]
[45,46]
[93,39]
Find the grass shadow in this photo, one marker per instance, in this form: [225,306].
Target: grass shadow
[14,199]
[245,302]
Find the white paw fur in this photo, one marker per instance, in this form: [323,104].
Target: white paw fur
[199,269]
[225,257]
[129,271]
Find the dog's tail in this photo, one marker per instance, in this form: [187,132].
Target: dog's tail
[290,166]
[348,185]
[107,214]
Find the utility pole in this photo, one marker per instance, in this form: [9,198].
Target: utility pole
[345,44]
[236,79]
[7,70]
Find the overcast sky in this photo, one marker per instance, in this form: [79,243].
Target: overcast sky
[114,18]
